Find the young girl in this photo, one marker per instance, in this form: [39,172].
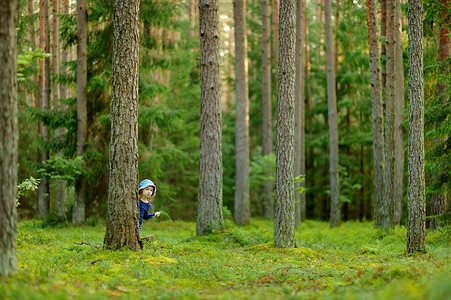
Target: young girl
[147,191]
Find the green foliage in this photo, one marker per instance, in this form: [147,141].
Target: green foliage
[24,59]
[351,262]
[26,186]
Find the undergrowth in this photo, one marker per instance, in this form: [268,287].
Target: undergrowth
[354,261]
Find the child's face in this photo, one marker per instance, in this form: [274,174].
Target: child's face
[147,192]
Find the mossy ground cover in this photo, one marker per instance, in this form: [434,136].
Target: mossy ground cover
[354,261]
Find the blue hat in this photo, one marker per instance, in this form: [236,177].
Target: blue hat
[146,183]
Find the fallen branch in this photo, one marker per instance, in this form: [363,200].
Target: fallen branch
[85,243]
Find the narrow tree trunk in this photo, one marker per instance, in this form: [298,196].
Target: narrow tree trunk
[384,40]
[33,45]
[268,206]
[122,222]
[78,214]
[337,24]
[45,183]
[377,111]
[209,200]
[62,185]
[335,207]
[399,116]
[438,200]
[284,218]
[299,134]
[275,28]
[242,207]
[8,138]
[416,217]
[308,95]
[389,179]
[309,111]
[40,104]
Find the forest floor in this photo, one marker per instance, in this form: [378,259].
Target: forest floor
[354,261]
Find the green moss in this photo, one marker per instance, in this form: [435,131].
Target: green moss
[354,261]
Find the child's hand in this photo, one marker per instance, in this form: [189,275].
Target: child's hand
[157,214]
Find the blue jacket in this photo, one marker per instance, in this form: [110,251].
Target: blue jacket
[144,212]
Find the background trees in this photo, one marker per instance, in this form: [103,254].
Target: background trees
[170,104]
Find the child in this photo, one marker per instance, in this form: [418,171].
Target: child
[147,191]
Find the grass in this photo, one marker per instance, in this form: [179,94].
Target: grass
[354,261]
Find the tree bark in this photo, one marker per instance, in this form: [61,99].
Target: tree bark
[64,94]
[242,208]
[284,218]
[268,206]
[416,217]
[8,138]
[335,207]
[209,200]
[384,40]
[40,104]
[377,111]
[390,111]
[122,222]
[399,116]
[78,214]
[299,134]
[275,27]
[33,45]
[47,95]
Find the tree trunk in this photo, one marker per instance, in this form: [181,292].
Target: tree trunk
[64,89]
[33,45]
[61,184]
[40,104]
[389,179]
[47,95]
[416,217]
[8,138]
[383,40]
[242,208]
[284,218]
[122,222]
[399,117]
[438,201]
[335,217]
[209,200]
[78,214]
[377,111]
[299,134]
[268,206]
[275,28]
[308,96]
[337,24]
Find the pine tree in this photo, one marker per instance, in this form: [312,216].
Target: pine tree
[242,206]
[335,207]
[78,214]
[389,179]
[416,216]
[284,218]
[209,200]
[377,111]
[122,222]
[8,138]
[299,135]
[268,203]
